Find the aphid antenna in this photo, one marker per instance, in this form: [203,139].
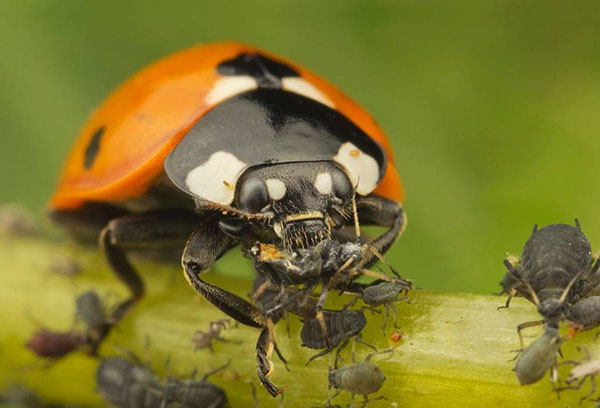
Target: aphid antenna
[212,372]
[577,224]
[389,351]
[517,274]
[381,276]
[535,228]
[563,297]
[383,260]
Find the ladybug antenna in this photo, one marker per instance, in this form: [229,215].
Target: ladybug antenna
[355,212]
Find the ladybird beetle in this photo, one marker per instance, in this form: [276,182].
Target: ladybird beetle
[220,145]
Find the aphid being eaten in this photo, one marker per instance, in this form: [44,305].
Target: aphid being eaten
[539,357]
[556,266]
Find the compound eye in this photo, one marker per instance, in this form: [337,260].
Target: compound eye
[341,185]
[253,195]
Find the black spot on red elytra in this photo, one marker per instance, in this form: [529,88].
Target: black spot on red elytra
[93,147]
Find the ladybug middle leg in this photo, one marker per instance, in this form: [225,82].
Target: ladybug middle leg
[151,230]
[376,210]
[204,247]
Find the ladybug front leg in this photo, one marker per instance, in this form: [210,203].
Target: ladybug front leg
[381,211]
[207,244]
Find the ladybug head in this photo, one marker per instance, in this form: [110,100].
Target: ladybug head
[302,200]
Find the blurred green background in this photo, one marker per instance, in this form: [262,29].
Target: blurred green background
[492,107]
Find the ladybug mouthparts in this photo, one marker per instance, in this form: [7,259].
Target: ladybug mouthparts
[304,233]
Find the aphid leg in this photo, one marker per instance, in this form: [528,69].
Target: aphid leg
[370,308]
[387,315]
[358,339]
[366,399]
[335,394]
[508,299]
[395,312]
[319,315]
[350,303]
[319,354]
[339,349]
[592,390]
[526,325]
[254,396]
[215,371]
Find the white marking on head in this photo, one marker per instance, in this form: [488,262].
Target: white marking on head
[362,169]
[276,188]
[305,88]
[229,86]
[215,179]
[323,183]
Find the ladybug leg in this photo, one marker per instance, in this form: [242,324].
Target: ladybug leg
[144,230]
[206,245]
[380,211]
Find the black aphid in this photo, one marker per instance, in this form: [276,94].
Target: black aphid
[556,266]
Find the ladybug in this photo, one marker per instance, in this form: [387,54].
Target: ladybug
[222,145]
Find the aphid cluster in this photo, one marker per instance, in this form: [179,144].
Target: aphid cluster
[558,274]
[288,283]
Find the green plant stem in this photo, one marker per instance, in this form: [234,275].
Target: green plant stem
[454,353]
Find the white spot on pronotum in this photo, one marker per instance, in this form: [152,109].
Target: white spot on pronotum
[323,183]
[215,179]
[229,86]
[362,169]
[276,189]
[305,88]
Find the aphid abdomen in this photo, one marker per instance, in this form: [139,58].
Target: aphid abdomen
[585,313]
[126,385]
[340,327]
[46,343]
[538,357]
[90,309]
[554,255]
[199,394]
[359,378]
